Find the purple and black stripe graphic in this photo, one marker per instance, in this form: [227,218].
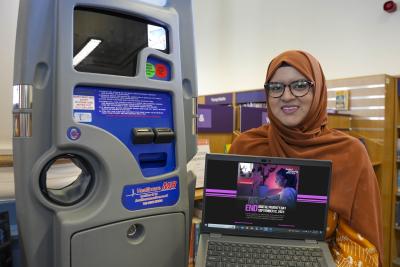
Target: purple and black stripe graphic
[312,199]
[221,193]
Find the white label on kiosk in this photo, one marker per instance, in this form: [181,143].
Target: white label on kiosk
[83,102]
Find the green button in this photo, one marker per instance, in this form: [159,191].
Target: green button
[150,70]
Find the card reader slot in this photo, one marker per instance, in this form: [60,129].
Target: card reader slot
[152,160]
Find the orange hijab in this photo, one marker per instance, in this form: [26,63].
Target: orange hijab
[354,189]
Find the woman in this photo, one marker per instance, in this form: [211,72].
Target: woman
[297,109]
[257,180]
[287,181]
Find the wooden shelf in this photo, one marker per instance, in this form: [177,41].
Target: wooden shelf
[376,163]
[396,262]
[198,194]
[6,160]
[338,113]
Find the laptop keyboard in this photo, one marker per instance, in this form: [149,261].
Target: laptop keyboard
[227,254]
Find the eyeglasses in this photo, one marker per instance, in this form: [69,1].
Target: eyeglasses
[298,88]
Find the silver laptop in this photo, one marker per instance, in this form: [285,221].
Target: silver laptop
[264,211]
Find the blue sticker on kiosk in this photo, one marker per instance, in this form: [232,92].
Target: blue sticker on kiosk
[73,133]
[151,195]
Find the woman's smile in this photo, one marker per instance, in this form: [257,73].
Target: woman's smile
[289,109]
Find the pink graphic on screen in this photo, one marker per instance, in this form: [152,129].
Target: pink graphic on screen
[268,183]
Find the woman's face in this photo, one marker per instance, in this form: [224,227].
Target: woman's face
[280,181]
[289,109]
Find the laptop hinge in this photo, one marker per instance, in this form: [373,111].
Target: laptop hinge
[214,235]
[310,241]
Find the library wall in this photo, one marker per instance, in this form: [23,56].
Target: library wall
[8,16]
[238,38]
[352,38]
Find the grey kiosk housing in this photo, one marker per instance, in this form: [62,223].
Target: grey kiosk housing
[108,88]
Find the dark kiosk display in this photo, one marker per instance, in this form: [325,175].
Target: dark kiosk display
[109,43]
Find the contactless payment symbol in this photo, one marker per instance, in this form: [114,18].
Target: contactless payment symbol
[150,70]
[73,133]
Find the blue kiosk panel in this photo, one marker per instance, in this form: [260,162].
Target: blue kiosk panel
[119,111]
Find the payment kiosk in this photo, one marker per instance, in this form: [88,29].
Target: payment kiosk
[104,97]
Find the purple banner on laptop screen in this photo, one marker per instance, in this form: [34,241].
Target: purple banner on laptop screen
[252,118]
[250,96]
[214,119]
[221,99]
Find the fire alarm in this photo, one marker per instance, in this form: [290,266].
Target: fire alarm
[389,6]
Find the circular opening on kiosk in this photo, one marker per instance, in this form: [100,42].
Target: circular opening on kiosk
[135,233]
[66,179]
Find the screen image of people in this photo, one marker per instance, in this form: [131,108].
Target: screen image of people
[264,197]
[268,184]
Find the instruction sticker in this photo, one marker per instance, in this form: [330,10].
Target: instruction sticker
[83,102]
[150,195]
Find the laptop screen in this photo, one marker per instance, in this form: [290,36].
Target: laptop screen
[262,196]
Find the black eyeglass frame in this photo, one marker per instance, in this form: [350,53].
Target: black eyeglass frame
[310,85]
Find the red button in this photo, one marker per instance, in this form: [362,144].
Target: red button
[161,71]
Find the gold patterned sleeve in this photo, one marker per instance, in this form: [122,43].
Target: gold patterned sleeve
[349,248]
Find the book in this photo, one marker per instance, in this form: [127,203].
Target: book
[398,181]
[198,209]
[227,147]
[191,244]
[397,214]
[342,100]
[398,149]
[196,225]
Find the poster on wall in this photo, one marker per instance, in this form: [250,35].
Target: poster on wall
[214,119]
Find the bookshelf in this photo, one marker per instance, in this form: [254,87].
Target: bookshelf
[395,234]
[372,119]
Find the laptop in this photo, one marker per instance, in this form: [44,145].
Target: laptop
[264,211]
